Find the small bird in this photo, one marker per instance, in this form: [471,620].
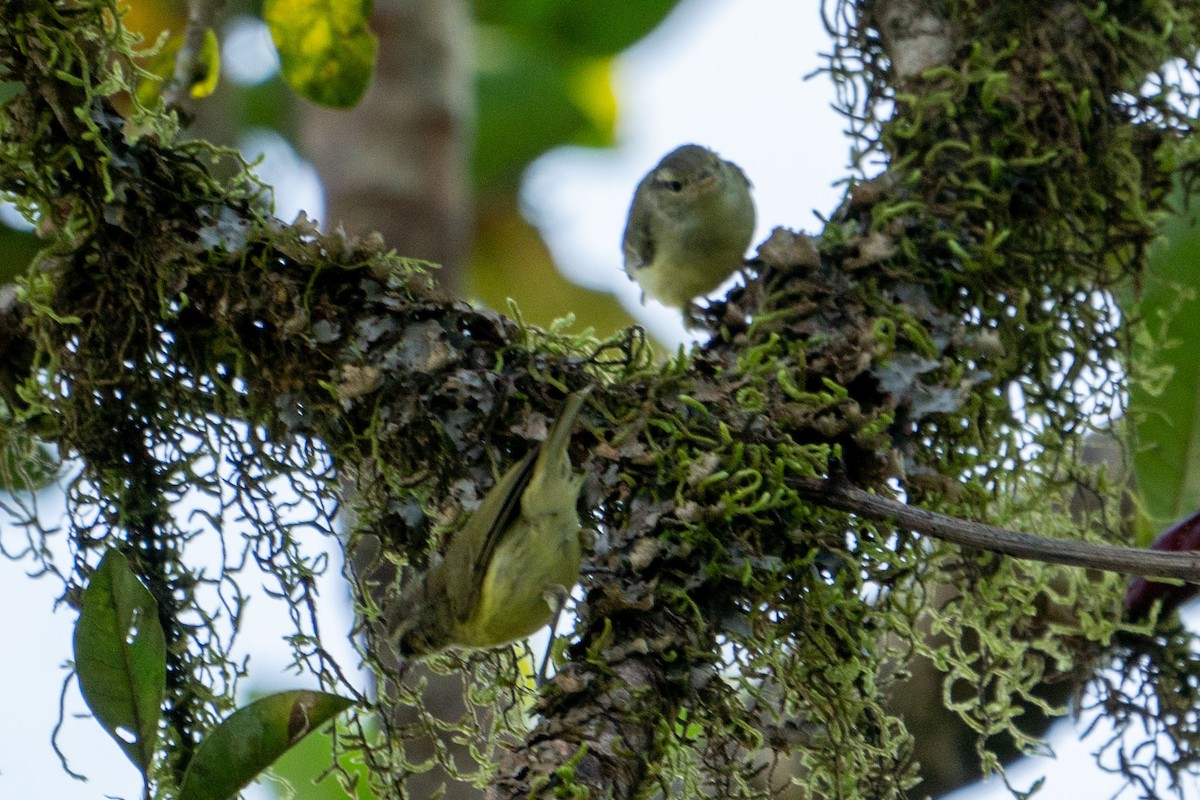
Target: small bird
[508,570]
[689,226]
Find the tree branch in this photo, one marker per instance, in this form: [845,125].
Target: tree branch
[841,495]
[202,17]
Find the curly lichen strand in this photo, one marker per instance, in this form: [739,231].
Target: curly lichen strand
[725,513]
[853,353]
[970,275]
[115,414]
[159,264]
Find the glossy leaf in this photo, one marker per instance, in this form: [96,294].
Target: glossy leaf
[239,749]
[326,52]
[120,658]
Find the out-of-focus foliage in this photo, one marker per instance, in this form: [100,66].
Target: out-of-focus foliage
[544,80]
[530,101]
[545,77]
[326,50]
[151,17]
[205,75]
[587,27]
[1164,399]
[510,260]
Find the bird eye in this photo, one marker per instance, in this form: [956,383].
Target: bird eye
[674,186]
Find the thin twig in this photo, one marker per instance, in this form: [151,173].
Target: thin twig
[1127,560]
[202,15]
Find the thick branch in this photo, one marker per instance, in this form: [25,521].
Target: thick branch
[1127,560]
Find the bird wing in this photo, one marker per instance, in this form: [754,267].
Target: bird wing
[638,242]
[472,548]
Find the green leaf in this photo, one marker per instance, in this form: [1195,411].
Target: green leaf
[325,50]
[120,658]
[239,749]
[1165,401]
[296,773]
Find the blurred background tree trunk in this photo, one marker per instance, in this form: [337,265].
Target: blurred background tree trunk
[397,163]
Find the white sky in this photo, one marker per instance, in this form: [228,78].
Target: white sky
[728,75]
[723,73]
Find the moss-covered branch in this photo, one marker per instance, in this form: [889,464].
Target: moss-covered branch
[730,619]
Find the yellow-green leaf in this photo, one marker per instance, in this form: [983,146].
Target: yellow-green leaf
[325,50]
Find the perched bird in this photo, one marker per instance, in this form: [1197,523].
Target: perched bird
[689,225]
[508,570]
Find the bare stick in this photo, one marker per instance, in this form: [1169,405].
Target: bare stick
[1127,560]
